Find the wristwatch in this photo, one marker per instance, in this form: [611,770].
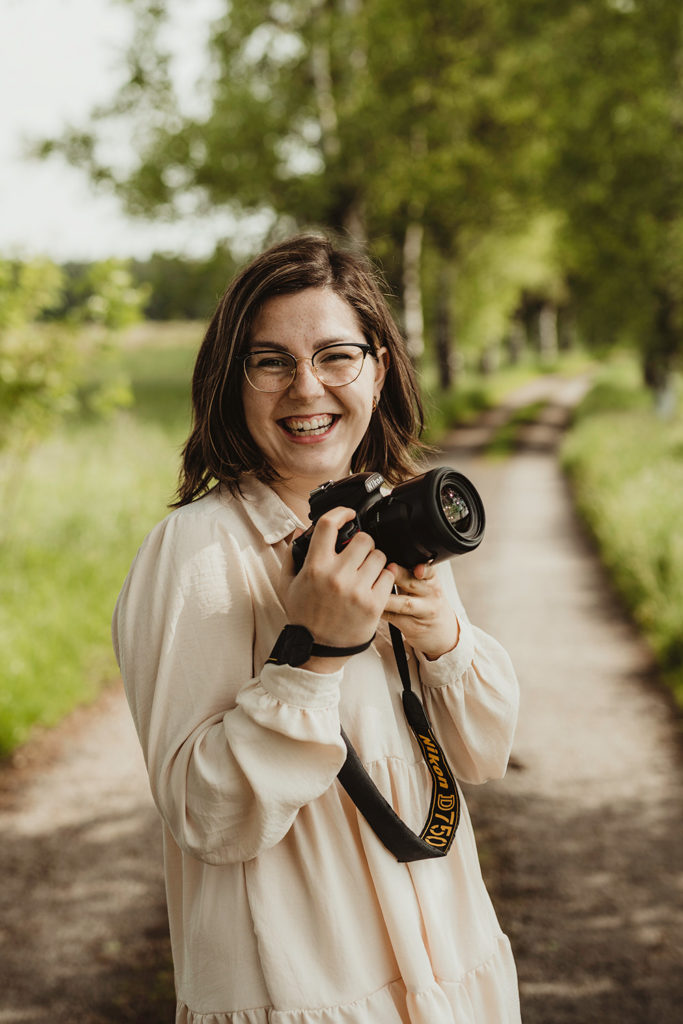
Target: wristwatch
[295,645]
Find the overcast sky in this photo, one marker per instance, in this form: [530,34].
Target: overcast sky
[58,58]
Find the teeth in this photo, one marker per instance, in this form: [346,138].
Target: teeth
[312,425]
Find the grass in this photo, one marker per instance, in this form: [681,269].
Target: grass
[626,467]
[74,513]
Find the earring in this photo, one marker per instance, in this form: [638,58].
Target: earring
[374,404]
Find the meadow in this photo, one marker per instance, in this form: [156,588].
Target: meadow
[77,506]
[625,462]
[75,509]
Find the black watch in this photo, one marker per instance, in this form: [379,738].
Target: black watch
[295,645]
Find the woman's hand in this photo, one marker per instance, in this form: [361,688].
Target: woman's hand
[338,596]
[422,613]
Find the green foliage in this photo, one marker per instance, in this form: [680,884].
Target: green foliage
[72,521]
[181,288]
[73,516]
[616,168]
[626,466]
[44,366]
[477,120]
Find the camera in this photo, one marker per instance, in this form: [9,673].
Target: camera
[427,518]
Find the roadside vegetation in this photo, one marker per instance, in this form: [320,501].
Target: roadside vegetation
[625,462]
[76,505]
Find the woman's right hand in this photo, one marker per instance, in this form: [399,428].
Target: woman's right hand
[338,596]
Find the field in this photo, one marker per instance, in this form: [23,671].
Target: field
[75,509]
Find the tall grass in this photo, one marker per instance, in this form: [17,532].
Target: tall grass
[626,466]
[74,513]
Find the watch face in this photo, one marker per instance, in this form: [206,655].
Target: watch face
[296,645]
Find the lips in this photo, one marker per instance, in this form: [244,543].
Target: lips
[308,426]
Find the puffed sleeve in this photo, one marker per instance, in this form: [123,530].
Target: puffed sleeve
[231,755]
[472,697]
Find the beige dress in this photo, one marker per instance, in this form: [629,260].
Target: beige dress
[284,907]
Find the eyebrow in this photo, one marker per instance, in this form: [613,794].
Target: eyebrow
[276,346]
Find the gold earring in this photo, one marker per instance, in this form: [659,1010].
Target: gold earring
[374,404]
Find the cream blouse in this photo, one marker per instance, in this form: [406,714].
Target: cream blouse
[284,907]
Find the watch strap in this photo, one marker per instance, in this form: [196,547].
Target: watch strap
[295,645]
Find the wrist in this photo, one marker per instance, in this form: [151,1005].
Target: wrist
[297,646]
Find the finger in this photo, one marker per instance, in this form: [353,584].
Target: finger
[406,606]
[327,529]
[424,571]
[408,584]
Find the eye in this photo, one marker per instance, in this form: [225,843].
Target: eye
[269,361]
[337,355]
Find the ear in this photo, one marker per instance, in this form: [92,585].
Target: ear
[381,367]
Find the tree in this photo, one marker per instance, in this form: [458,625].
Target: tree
[614,69]
[388,121]
[44,366]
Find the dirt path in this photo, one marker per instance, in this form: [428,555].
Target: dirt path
[83,932]
[585,837]
[582,843]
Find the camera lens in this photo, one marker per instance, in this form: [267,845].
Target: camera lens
[455,508]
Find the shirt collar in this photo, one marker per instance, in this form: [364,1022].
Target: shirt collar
[267,511]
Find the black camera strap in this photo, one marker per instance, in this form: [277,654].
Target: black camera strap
[444,810]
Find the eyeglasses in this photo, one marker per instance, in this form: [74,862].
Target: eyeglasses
[334,365]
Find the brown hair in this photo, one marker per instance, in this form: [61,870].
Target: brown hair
[219,447]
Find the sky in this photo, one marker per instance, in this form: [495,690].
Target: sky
[57,59]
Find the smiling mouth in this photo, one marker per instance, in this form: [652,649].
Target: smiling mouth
[308,426]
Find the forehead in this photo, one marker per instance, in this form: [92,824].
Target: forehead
[312,317]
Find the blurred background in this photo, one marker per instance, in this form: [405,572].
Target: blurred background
[514,167]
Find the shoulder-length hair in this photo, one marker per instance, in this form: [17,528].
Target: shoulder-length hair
[219,448]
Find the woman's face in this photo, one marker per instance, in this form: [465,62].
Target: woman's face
[309,431]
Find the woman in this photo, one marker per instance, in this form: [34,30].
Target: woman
[284,905]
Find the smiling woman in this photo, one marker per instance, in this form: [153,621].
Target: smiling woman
[241,674]
[311,426]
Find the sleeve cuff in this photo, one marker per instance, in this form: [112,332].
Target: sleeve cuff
[301,688]
[451,665]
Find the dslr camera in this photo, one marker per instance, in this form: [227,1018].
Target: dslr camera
[425,519]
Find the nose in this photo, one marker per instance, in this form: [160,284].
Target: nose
[305,382]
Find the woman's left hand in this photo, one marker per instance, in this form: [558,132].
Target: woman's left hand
[422,613]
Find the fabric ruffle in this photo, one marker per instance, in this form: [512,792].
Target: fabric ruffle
[477,997]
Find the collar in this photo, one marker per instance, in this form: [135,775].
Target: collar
[267,511]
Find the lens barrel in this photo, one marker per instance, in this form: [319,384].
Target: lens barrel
[427,519]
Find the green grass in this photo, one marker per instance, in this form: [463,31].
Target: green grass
[626,467]
[74,512]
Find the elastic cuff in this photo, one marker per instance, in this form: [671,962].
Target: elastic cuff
[301,688]
[451,665]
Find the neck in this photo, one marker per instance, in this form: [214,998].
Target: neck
[295,497]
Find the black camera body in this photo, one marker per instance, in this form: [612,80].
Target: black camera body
[428,518]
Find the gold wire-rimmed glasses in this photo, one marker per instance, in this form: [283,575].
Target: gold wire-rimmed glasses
[334,365]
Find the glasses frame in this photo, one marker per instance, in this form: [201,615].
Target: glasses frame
[363,346]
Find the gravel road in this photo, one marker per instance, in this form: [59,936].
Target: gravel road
[582,843]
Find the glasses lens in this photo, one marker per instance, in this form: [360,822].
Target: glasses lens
[336,365]
[269,371]
[455,508]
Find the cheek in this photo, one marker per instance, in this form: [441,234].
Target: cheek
[256,413]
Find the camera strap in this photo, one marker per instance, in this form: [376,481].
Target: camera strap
[444,810]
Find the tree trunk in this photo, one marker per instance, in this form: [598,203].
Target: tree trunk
[413,320]
[660,356]
[547,333]
[444,353]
